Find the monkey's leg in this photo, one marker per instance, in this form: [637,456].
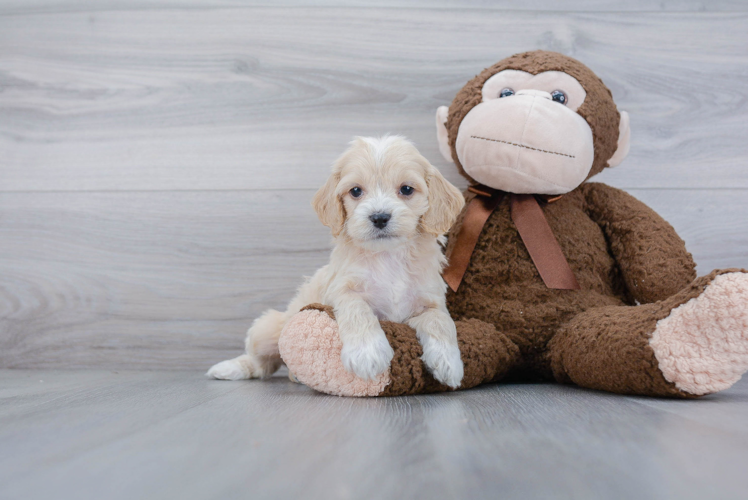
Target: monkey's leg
[691,344]
[310,347]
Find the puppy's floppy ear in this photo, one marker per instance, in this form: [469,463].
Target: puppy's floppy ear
[329,206]
[445,203]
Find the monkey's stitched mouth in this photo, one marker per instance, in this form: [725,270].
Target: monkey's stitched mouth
[521,146]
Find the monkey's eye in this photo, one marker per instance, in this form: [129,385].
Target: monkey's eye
[406,190]
[506,92]
[356,192]
[560,97]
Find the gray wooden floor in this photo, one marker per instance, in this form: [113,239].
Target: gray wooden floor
[157,159]
[143,435]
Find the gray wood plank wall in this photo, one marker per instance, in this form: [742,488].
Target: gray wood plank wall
[157,158]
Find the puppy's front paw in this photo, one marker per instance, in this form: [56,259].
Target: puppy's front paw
[444,361]
[368,357]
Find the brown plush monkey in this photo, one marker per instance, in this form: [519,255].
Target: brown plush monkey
[553,278]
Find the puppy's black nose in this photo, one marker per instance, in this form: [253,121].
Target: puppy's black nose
[379,220]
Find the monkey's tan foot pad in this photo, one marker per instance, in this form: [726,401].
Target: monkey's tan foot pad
[702,346]
[310,346]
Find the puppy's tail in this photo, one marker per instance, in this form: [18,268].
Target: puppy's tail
[239,368]
[244,367]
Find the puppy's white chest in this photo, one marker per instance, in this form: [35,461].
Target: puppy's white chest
[390,289]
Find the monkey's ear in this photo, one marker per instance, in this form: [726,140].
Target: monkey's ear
[329,206]
[441,132]
[445,204]
[624,141]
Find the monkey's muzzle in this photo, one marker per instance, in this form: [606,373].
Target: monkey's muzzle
[526,143]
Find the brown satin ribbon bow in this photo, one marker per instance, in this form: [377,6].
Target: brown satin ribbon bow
[533,228]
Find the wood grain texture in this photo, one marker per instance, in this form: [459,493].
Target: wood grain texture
[266,98]
[172,280]
[157,158]
[14,7]
[178,435]
[133,279]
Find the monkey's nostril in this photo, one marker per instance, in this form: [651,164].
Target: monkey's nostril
[379,220]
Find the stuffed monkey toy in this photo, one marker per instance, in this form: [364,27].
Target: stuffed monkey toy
[552,277]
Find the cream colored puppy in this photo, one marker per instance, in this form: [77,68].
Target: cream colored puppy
[388,208]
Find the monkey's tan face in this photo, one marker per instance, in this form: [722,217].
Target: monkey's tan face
[526,137]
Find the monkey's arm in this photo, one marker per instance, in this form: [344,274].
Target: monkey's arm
[652,257]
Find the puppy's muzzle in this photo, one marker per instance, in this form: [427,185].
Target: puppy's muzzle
[380,220]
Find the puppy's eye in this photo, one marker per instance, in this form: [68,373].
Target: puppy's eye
[560,97]
[406,190]
[506,92]
[356,192]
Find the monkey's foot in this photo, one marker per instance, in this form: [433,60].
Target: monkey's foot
[702,346]
[310,346]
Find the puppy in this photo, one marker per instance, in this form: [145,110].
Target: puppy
[388,209]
